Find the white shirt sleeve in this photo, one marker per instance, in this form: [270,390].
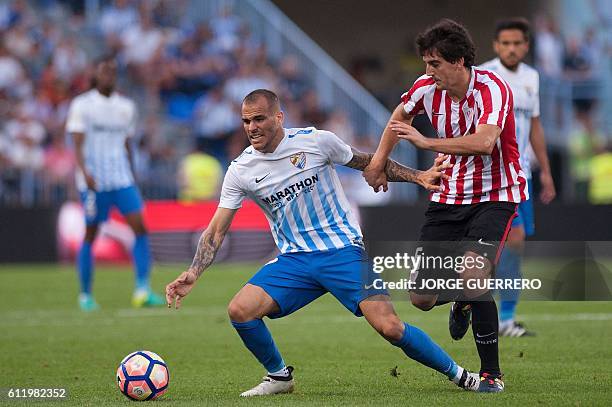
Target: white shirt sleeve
[75,122]
[334,148]
[232,193]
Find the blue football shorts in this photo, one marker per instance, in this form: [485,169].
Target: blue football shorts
[294,280]
[97,204]
[525,216]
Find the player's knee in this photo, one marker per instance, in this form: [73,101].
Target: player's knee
[516,244]
[90,233]
[516,235]
[471,294]
[136,223]
[392,329]
[476,273]
[238,312]
[422,303]
[139,229]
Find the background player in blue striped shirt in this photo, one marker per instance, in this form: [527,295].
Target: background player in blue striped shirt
[511,45]
[101,122]
[290,174]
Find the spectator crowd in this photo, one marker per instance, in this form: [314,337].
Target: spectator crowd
[188,78]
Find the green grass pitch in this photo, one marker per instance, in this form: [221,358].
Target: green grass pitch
[45,341]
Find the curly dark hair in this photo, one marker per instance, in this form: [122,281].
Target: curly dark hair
[450,39]
[517,23]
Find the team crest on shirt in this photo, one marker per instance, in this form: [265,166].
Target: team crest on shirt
[469,114]
[298,160]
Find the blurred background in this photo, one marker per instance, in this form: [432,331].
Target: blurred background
[339,65]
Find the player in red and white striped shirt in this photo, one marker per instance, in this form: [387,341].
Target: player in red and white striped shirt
[489,172]
[472,111]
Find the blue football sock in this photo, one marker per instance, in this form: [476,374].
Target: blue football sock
[507,310]
[509,267]
[85,267]
[258,340]
[142,261]
[417,345]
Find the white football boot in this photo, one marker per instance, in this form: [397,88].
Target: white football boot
[272,385]
[468,380]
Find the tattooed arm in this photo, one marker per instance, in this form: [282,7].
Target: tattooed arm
[209,244]
[396,172]
[393,170]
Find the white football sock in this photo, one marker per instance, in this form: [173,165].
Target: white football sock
[284,372]
[457,377]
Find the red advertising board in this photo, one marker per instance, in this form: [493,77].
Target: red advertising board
[171,225]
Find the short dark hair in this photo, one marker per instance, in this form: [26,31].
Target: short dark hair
[104,58]
[109,57]
[450,39]
[270,97]
[516,23]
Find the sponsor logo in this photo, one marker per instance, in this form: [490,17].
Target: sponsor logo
[107,128]
[258,180]
[485,243]
[518,111]
[271,261]
[303,131]
[241,154]
[292,190]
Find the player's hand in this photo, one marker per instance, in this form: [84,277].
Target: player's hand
[407,132]
[179,288]
[432,178]
[91,182]
[375,178]
[548,192]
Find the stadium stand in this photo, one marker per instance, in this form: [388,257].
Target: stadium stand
[188,65]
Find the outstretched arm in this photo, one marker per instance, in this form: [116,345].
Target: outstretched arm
[209,244]
[396,172]
[374,173]
[538,143]
[479,143]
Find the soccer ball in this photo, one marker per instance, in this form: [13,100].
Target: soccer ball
[142,375]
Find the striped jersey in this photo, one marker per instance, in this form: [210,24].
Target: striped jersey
[478,178]
[106,122]
[298,190]
[525,85]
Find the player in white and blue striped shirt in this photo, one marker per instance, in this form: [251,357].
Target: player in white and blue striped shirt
[511,45]
[101,122]
[290,174]
[298,189]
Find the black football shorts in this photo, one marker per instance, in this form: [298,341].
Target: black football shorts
[452,230]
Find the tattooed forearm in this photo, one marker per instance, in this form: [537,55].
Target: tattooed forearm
[360,160]
[205,253]
[395,171]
